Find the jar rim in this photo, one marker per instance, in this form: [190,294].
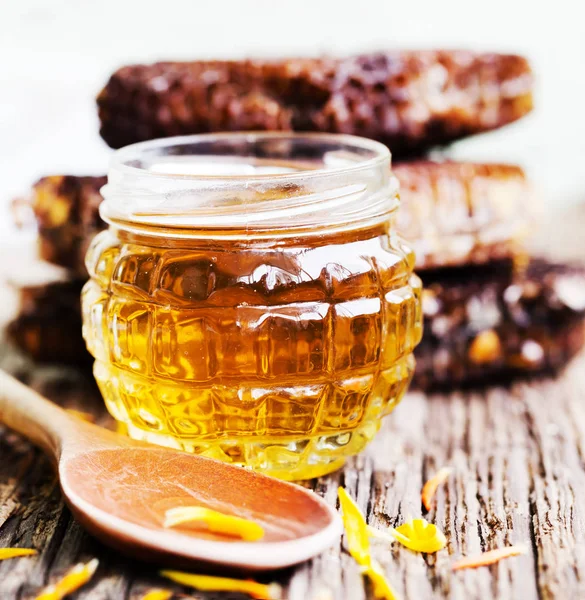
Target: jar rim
[381,154]
[249,184]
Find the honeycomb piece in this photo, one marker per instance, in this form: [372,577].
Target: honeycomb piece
[409,100]
[457,213]
[484,325]
[66,211]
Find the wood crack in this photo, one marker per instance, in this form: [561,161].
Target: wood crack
[533,541]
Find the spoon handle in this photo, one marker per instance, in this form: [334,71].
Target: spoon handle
[31,415]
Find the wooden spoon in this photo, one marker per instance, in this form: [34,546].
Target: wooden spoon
[119,489]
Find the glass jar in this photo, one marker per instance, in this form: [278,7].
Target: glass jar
[251,301]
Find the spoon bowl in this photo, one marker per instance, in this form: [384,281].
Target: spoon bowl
[120,489]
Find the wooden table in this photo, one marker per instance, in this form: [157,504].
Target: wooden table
[519,461]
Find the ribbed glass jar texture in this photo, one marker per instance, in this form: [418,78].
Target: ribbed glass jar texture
[250,301]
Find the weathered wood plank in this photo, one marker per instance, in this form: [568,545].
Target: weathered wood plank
[519,476]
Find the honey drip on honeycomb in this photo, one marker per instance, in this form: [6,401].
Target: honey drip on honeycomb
[278,355]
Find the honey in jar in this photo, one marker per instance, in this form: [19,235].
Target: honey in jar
[251,301]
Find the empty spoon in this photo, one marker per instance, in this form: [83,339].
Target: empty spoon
[119,489]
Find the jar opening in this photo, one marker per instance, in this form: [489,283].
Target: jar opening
[249,184]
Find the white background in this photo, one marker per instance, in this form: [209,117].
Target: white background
[55,55]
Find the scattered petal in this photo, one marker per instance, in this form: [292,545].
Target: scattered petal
[6,553]
[430,487]
[80,414]
[157,595]
[76,577]
[488,558]
[380,585]
[249,531]
[391,535]
[421,536]
[416,534]
[358,544]
[208,583]
[356,529]
[381,534]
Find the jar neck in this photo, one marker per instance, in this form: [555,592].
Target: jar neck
[263,186]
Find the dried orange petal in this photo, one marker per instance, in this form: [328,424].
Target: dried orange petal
[430,487]
[76,577]
[6,553]
[208,583]
[488,558]
[215,521]
[157,595]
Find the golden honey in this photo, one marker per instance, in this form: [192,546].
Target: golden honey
[278,345]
